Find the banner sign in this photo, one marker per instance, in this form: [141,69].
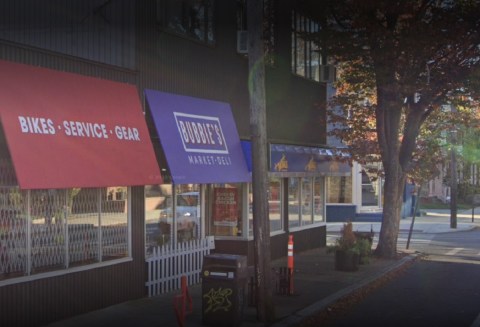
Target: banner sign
[308,160]
[199,138]
[65,130]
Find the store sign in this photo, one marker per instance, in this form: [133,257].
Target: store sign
[308,160]
[65,130]
[199,138]
[225,207]
[202,134]
[79,129]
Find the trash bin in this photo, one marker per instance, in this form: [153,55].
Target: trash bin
[224,282]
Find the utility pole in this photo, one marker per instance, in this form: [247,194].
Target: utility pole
[453,176]
[258,127]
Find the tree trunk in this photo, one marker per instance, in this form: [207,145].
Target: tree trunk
[388,116]
[258,127]
[393,200]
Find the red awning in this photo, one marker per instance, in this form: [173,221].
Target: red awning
[65,130]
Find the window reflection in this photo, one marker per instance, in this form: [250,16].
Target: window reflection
[306,57]
[339,189]
[187,212]
[293,202]
[275,205]
[307,201]
[191,18]
[318,205]
[166,223]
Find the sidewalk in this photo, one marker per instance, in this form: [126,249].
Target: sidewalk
[430,222]
[316,286]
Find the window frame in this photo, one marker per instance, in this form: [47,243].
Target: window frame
[164,15]
[269,27]
[302,27]
[348,187]
[309,220]
[170,214]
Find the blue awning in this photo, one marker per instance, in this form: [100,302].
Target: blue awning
[247,152]
[293,160]
[309,161]
[199,138]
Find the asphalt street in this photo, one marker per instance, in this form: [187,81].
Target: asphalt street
[441,289]
[429,293]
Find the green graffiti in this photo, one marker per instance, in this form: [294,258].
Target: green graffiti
[218,299]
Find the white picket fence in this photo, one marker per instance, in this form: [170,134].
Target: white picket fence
[170,262]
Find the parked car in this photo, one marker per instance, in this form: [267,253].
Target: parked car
[187,215]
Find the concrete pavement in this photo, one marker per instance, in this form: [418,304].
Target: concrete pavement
[430,222]
[316,285]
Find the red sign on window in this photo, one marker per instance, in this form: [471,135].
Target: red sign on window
[225,207]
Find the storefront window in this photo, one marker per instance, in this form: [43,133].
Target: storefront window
[275,196]
[187,212]
[370,190]
[305,201]
[339,189]
[226,210]
[293,202]
[275,205]
[161,227]
[45,230]
[318,205]
[158,198]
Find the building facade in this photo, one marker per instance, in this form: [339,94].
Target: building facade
[125,126]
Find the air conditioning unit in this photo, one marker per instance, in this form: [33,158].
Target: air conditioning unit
[328,73]
[242,41]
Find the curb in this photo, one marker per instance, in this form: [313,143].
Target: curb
[297,317]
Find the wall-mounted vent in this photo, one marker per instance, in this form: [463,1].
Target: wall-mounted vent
[328,73]
[242,41]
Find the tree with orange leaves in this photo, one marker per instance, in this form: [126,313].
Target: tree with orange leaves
[404,61]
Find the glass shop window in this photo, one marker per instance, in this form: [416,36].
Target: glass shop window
[225,204]
[305,201]
[339,189]
[166,223]
[275,205]
[55,229]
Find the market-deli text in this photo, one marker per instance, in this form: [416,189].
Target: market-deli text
[73,128]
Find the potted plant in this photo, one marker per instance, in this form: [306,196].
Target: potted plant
[346,249]
[364,247]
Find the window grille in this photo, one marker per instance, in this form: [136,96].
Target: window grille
[47,230]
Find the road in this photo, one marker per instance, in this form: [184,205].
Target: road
[442,289]
[430,293]
[459,246]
